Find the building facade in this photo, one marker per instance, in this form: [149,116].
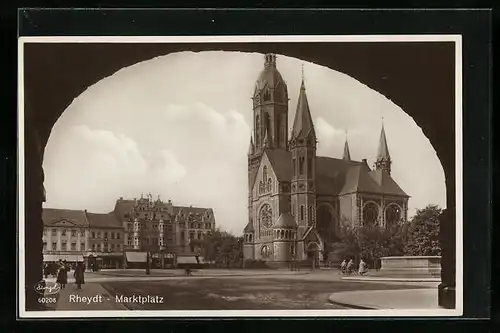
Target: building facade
[138,225]
[298,201]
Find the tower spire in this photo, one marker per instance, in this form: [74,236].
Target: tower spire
[383,157]
[347,154]
[303,125]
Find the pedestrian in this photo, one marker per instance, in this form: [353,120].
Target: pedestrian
[349,267]
[343,265]
[79,275]
[62,275]
[46,270]
[362,267]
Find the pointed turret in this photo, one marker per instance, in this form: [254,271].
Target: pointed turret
[347,154]
[303,126]
[251,148]
[383,161]
[267,142]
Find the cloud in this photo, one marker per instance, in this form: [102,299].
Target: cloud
[180,125]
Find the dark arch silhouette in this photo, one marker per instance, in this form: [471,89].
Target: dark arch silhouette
[419,77]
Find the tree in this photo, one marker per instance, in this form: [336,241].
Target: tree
[371,242]
[423,233]
[220,247]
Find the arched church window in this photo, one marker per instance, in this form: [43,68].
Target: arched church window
[392,215]
[265,251]
[265,215]
[264,173]
[302,212]
[250,238]
[294,165]
[301,165]
[269,184]
[370,214]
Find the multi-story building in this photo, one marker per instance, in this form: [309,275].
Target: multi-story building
[155,225]
[65,234]
[106,239]
[138,225]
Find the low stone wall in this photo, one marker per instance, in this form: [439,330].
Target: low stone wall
[414,265]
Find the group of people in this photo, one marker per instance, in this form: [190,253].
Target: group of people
[62,273]
[349,267]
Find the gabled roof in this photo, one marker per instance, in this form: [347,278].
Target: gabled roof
[103,220]
[332,174]
[339,177]
[281,162]
[51,216]
[386,183]
[359,180]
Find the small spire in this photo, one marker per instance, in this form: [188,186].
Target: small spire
[159,197]
[266,140]
[347,154]
[251,148]
[302,85]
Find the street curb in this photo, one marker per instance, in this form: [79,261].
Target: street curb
[351,306]
[389,279]
[198,276]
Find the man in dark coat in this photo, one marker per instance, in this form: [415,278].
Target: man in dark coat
[79,275]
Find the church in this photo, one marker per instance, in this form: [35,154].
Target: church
[298,201]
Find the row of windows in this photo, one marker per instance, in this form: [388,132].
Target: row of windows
[155,226]
[160,216]
[301,161]
[73,247]
[65,232]
[64,246]
[105,235]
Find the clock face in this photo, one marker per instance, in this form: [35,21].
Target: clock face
[266,215]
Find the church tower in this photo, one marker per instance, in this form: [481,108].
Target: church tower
[383,157]
[303,149]
[270,118]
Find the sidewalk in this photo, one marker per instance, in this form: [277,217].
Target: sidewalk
[92,296]
[198,272]
[388,299]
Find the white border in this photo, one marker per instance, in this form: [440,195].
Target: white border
[250,313]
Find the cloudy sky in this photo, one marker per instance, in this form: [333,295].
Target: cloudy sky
[179,126]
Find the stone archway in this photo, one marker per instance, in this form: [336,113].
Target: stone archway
[400,71]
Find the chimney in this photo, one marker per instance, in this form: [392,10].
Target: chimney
[121,198]
[364,161]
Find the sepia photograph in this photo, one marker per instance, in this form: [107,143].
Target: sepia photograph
[240,176]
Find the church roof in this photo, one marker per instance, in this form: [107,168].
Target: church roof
[286,220]
[338,176]
[303,124]
[383,150]
[51,216]
[281,162]
[386,183]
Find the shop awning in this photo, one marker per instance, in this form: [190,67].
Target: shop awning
[67,257]
[136,256]
[187,260]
